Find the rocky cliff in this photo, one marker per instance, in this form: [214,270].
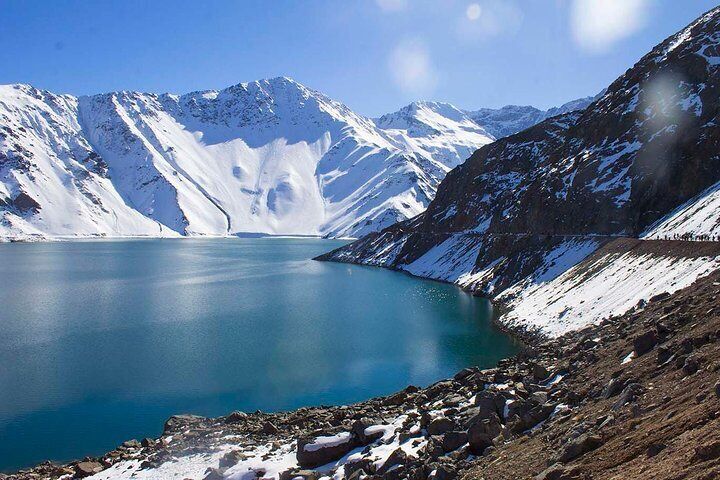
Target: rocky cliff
[640,161]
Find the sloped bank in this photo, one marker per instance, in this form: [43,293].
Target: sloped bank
[634,397]
[547,285]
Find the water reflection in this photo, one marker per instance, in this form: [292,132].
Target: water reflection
[101,341]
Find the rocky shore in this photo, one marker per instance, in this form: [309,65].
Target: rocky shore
[636,396]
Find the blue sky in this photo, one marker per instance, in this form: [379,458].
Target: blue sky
[373,55]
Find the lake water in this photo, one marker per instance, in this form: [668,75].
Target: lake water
[100,341]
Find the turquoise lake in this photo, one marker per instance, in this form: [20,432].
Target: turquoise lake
[101,341]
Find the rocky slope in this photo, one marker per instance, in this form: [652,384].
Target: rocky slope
[640,161]
[266,157]
[634,397]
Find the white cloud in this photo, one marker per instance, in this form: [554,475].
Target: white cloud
[489,18]
[392,5]
[411,68]
[473,11]
[598,24]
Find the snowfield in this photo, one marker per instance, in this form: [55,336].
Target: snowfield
[604,286]
[267,157]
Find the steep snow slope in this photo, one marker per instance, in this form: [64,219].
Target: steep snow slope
[51,180]
[269,157]
[439,129]
[265,157]
[641,160]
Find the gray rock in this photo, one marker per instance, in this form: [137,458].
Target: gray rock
[629,394]
[691,365]
[440,425]
[358,431]
[232,458]
[397,457]
[580,446]
[312,453]
[453,440]
[482,433]
[86,469]
[236,417]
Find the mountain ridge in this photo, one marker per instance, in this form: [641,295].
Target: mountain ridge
[267,157]
[519,221]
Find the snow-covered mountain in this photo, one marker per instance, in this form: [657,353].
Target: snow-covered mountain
[269,157]
[533,220]
[511,119]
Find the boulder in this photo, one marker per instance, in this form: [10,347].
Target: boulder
[442,472]
[269,428]
[489,403]
[613,387]
[441,425]
[579,446]
[654,448]
[236,417]
[708,451]
[397,457]
[645,342]
[539,372]
[296,473]
[314,452]
[215,474]
[360,434]
[86,469]
[177,422]
[481,434]
[232,458]
[691,365]
[629,394]
[454,440]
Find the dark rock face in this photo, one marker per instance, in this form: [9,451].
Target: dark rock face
[645,342]
[644,147]
[24,203]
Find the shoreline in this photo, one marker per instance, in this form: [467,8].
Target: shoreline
[560,409]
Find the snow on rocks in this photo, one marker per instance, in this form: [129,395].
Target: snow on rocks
[604,285]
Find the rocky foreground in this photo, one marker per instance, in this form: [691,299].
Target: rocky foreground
[634,397]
